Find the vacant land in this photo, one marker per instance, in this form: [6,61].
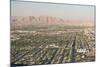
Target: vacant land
[52,47]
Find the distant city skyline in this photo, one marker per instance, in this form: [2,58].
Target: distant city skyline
[64,11]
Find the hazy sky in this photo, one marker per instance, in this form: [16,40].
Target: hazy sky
[64,11]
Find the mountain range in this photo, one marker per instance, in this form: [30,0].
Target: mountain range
[42,21]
